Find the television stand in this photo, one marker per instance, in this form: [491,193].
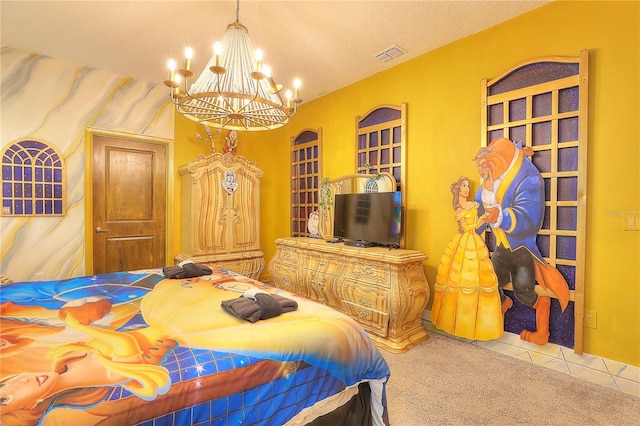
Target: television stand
[385,291]
[359,243]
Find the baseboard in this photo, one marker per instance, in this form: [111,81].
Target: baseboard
[606,372]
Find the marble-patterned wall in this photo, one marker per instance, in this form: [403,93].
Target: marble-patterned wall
[55,101]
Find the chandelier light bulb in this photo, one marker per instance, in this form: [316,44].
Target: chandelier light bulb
[188,54]
[258,60]
[217,51]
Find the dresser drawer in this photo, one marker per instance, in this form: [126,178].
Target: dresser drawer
[285,276]
[377,274]
[372,321]
[370,297]
[321,288]
[288,255]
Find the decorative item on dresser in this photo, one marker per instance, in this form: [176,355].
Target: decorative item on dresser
[221,213]
[384,290]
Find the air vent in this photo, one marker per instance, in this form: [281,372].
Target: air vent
[389,53]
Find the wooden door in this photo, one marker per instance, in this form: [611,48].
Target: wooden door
[129,204]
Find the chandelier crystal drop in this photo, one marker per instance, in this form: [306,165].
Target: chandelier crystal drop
[235,90]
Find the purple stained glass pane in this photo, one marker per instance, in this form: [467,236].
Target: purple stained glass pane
[547,189]
[48,206]
[495,134]
[566,247]
[568,99]
[567,188]
[6,172]
[17,173]
[384,156]
[362,141]
[518,134]
[496,114]
[48,175]
[39,174]
[543,244]
[39,190]
[385,137]
[17,190]
[315,166]
[397,154]
[568,159]
[302,183]
[380,115]
[397,133]
[57,191]
[48,162]
[6,204]
[542,160]
[28,174]
[373,158]
[362,158]
[315,197]
[541,105]
[373,139]
[384,170]
[568,129]
[17,207]
[306,136]
[396,174]
[532,74]
[310,153]
[569,274]
[28,207]
[48,191]
[517,109]
[28,191]
[567,218]
[6,189]
[541,133]
[302,155]
[546,219]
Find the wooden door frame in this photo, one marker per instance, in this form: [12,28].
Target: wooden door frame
[89,135]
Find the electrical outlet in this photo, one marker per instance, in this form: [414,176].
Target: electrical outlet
[590,319]
[631,221]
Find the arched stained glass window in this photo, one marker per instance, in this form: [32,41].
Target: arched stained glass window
[32,180]
[306,150]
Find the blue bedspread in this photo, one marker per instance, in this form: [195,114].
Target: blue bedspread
[137,348]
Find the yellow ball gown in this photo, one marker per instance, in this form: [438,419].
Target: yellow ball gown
[466,301]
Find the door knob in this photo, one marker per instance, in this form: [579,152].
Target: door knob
[99,230]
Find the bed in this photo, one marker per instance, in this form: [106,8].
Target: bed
[139,348]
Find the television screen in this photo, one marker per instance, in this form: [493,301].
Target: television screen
[372,217]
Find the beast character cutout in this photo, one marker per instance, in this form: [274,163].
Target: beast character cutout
[512,195]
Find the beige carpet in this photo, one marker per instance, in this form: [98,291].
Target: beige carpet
[444,381]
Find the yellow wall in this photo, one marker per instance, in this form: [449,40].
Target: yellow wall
[442,89]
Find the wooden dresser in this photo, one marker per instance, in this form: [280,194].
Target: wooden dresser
[221,213]
[384,290]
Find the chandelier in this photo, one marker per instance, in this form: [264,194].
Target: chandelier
[235,90]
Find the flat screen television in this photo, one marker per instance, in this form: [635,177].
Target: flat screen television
[367,219]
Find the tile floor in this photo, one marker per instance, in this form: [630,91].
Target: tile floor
[613,374]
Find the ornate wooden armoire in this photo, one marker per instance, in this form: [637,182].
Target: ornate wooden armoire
[221,213]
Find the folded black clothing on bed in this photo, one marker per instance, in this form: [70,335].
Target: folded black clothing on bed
[174,272]
[187,270]
[263,307]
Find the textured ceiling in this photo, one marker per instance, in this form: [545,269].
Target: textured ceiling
[328,44]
